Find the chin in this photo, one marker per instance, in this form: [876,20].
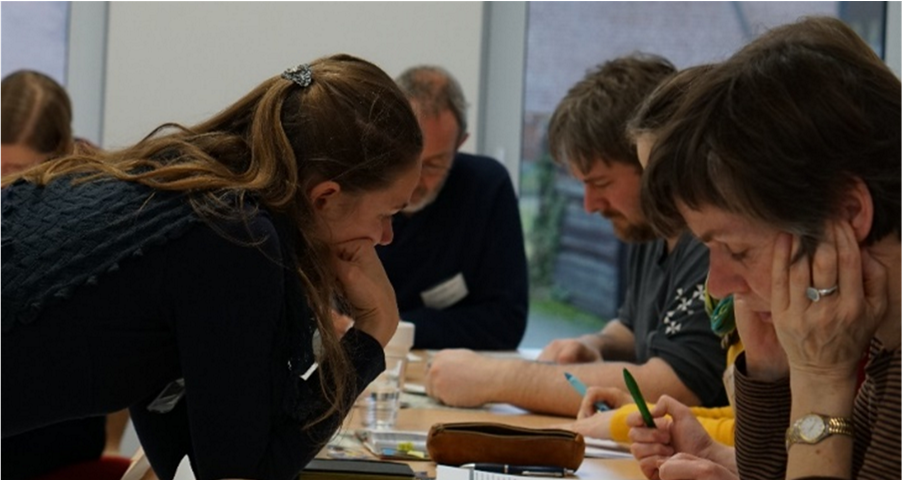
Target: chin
[415,207]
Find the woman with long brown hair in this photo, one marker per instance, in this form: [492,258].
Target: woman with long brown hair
[194,276]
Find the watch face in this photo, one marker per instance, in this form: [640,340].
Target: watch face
[811,427]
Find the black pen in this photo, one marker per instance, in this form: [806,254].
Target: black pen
[526,471]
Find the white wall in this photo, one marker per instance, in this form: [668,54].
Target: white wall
[894,37]
[183,61]
[503,63]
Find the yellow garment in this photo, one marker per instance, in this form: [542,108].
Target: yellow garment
[718,422]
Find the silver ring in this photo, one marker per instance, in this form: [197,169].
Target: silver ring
[815,294]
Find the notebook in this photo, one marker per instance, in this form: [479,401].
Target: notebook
[332,469]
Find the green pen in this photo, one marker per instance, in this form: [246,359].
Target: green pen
[637,397]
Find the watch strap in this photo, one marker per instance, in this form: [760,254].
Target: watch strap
[832,426]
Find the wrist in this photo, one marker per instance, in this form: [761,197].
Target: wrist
[723,455]
[760,371]
[593,341]
[825,394]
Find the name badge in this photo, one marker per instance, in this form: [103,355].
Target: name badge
[446,293]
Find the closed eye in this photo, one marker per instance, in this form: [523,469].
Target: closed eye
[737,256]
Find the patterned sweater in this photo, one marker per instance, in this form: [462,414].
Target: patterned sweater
[762,416]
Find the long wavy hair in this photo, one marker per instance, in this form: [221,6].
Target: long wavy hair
[351,125]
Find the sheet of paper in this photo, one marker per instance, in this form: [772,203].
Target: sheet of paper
[444,472]
[598,448]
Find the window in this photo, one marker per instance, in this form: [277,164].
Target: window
[574,257]
[35,37]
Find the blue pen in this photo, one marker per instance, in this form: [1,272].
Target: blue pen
[580,388]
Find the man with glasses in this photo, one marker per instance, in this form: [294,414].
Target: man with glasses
[457,262]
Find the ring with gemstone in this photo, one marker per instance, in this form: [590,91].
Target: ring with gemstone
[815,294]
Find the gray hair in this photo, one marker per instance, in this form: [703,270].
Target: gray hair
[435,90]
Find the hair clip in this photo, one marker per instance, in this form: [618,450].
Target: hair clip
[300,75]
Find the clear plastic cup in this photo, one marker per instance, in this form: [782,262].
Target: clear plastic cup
[382,398]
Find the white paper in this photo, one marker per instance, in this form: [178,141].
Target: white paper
[444,472]
[598,448]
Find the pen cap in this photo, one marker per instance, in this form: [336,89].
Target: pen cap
[402,341]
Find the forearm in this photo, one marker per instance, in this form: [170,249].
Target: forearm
[762,415]
[829,396]
[543,388]
[537,387]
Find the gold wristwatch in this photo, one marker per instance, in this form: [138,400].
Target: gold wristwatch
[814,427]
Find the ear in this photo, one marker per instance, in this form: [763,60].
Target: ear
[463,139]
[324,194]
[857,206]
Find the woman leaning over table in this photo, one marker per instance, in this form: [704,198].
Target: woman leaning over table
[785,160]
[214,254]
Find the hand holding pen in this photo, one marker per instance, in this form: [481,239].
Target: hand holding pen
[580,388]
[675,431]
[633,387]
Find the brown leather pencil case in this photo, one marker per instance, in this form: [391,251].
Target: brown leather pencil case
[470,442]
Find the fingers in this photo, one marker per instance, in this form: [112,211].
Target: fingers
[639,433]
[850,275]
[780,272]
[649,467]
[550,352]
[563,351]
[586,408]
[612,396]
[824,264]
[799,281]
[684,466]
[668,405]
[651,451]
[874,284]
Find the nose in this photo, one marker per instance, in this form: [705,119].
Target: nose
[388,233]
[593,201]
[723,276]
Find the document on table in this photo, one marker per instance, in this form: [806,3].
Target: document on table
[597,448]
[444,472]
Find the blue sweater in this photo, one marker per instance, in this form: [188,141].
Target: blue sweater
[472,229]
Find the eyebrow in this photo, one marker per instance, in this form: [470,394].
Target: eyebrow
[596,178]
[439,156]
[709,235]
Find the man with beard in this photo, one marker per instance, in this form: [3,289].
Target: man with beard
[662,334]
[457,262]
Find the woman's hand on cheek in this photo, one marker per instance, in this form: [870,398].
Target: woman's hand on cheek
[826,338]
[367,288]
